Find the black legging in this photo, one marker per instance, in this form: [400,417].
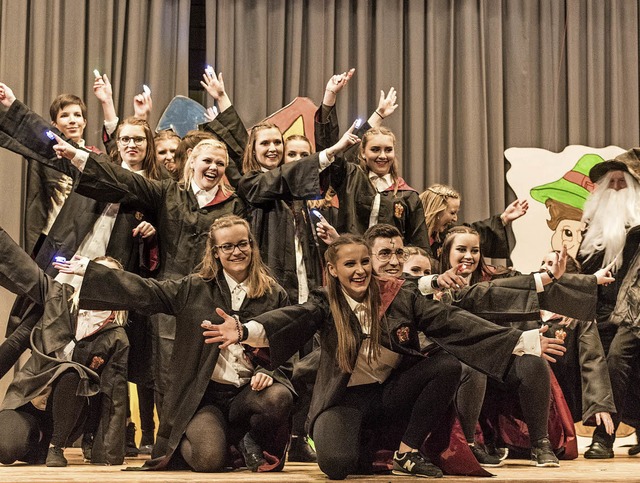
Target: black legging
[423,391]
[227,413]
[469,399]
[529,376]
[26,431]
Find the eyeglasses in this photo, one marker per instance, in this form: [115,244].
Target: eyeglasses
[385,254]
[229,248]
[137,140]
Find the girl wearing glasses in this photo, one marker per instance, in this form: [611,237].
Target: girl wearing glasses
[371,370]
[283,231]
[184,212]
[218,396]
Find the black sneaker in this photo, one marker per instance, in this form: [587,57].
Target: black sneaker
[542,455]
[300,451]
[414,464]
[498,452]
[484,458]
[87,447]
[55,457]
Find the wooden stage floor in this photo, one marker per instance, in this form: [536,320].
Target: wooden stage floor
[621,468]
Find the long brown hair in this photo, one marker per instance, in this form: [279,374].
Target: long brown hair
[149,164]
[434,202]
[481,272]
[393,170]
[259,281]
[348,343]
[249,161]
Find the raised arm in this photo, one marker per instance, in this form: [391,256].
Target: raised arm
[297,180]
[327,130]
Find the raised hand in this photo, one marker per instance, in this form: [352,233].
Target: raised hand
[142,104]
[102,89]
[514,211]
[335,85]
[62,148]
[210,113]
[387,103]
[76,266]
[215,87]
[347,140]
[6,95]
[604,275]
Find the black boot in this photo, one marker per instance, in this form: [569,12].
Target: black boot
[146,443]
[55,457]
[300,451]
[635,449]
[131,450]
[601,445]
[251,452]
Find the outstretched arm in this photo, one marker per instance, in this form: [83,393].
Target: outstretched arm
[20,274]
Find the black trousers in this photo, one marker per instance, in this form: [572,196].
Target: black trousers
[25,433]
[422,393]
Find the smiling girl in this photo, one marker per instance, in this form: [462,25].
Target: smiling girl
[274,190]
[369,188]
[218,396]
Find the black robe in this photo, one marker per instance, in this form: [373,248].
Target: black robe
[274,201]
[23,131]
[482,345]
[192,300]
[99,359]
[182,230]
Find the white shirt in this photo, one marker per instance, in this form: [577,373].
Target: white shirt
[233,367]
[96,242]
[204,197]
[88,322]
[380,184]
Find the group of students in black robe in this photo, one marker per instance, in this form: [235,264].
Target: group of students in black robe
[234,263]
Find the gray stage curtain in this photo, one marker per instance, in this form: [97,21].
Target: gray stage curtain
[474,77]
[49,47]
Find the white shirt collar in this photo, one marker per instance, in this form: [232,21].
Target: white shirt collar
[204,196]
[128,168]
[386,177]
[232,283]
